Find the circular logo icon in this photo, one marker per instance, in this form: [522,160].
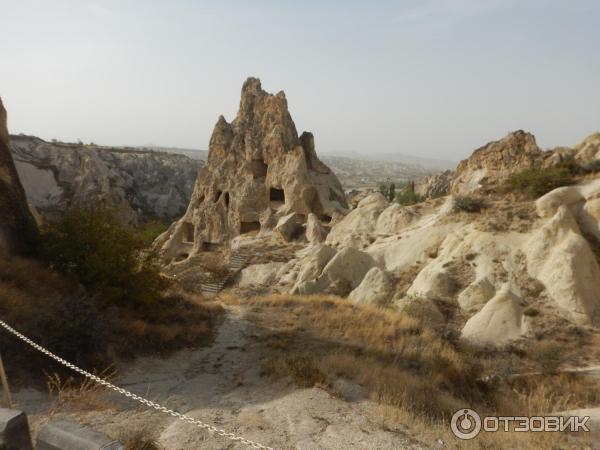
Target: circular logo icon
[465,424]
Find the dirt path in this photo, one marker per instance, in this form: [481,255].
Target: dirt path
[223,385]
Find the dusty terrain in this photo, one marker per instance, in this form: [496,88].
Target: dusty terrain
[224,385]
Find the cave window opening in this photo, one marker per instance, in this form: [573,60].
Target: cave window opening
[211,246]
[325,218]
[277,197]
[227,199]
[188,232]
[217,196]
[249,227]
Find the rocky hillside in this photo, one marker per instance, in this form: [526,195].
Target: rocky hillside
[476,268]
[17,226]
[139,185]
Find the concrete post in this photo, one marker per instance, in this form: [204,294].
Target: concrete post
[63,435]
[14,430]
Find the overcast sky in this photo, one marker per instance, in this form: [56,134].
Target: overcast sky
[433,78]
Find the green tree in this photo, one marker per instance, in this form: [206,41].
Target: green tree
[392,192]
[104,256]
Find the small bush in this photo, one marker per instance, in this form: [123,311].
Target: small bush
[536,182]
[388,190]
[531,311]
[149,231]
[104,256]
[139,440]
[469,204]
[408,197]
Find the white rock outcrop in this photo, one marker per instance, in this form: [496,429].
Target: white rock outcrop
[358,226]
[477,294]
[259,274]
[316,233]
[559,257]
[499,321]
[375,288]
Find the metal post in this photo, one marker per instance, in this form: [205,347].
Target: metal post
[4,380]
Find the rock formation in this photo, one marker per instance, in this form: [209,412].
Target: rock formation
[138,184]
[491,164]
[510,272]
[436,185]
[17,226]
[588,150]
[258,167]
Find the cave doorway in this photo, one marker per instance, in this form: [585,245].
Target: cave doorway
[188,232]
[249,227]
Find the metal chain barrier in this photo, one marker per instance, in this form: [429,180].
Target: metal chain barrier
[133,396]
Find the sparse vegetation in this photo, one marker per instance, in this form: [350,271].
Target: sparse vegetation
[104,256]
[407,198]
[388,190]
[150,230]
[141,439]
[538,181]
[417,375]
[469,204]
[108,300]
[398,359]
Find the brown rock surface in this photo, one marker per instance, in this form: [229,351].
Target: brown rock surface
[17,227]
[491,164]
[436,185]
[255,163]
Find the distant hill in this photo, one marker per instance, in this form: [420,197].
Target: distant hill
[192,153]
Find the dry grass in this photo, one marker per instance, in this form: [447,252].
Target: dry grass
[60,315]
[417,377]
[69,393]
[318,339]
[142,439]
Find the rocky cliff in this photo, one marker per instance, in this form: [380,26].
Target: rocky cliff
[258,170]
[494,162]
[17,227]
[138,184]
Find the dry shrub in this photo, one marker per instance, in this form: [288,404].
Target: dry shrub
[78,394]
[142,439]
[59,314]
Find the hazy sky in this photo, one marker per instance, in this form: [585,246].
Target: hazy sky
[433,78]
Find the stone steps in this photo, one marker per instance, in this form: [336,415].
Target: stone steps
[237,261]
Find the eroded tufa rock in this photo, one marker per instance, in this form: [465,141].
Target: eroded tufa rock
[255,163]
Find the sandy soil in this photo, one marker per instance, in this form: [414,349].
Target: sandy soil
[223,385]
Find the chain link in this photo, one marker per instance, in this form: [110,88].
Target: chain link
[133,396]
